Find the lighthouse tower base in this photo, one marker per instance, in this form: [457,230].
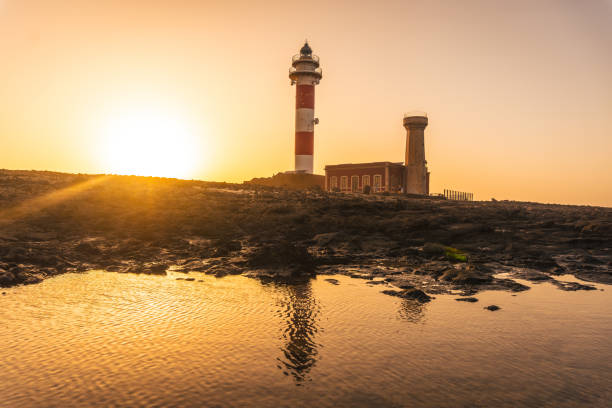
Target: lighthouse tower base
[303,163]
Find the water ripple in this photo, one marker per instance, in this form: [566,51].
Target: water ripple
[108,339]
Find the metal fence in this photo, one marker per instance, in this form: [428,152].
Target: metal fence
[297,57]
[458,195]
[293,70]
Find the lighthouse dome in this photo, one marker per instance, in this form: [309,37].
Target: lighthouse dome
[306,50]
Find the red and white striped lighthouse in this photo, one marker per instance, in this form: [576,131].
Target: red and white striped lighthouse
[305,73]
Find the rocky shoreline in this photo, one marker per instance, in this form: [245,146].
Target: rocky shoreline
[54,223]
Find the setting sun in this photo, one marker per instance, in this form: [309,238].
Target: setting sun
[150,143]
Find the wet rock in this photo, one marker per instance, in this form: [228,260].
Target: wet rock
[233,270]
[468,291]
[226,247]
[332,281]
[531,275]
[509,284]
[87,248]
[467,299]
[326,239]
[221,270]
[146,269]
[154,269]
[492,308]
[191,265]
[26,276]
[376,282]
[282,258]
[467,275]
[433,250]
[7,278]
[413,293]
[361,276]
[460,230]
[572,286]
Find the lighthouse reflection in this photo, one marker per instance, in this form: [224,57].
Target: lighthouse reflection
[300,312]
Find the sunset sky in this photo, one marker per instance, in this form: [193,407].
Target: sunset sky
[518,92]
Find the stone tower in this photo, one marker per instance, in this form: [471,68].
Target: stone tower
[416,180]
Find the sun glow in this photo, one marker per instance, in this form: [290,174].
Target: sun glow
[150,143]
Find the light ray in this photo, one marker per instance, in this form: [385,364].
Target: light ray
[39,203]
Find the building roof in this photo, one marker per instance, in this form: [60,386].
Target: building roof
[306,50]
[362,165]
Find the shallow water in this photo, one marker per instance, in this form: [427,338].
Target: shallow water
[109,339]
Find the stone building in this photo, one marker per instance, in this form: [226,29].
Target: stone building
[350,177]
[411,177]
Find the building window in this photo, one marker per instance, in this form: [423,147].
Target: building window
[334,183]
[365,181]
[377,183]
[343,183]
[354,184]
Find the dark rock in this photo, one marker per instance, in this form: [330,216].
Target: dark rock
[492,308]
[28,277]
[468,275]
[155,269]
[233,270]
[158,270]
[433,250]
[7,278]
[361,276]
[332,281]
[226,247]
[189,279]
[323,240]
[87,248]
[467,299]
[376,282]
[511,285]
[414,293]
[572,286]
[283,256]
[532,275]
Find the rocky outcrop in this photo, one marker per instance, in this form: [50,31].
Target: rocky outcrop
[152,225]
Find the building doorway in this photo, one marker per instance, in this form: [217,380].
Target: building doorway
[354,184]
[377,183]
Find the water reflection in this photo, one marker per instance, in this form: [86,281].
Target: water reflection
[300,312]
[411,310]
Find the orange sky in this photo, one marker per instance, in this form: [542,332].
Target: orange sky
[518,93]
